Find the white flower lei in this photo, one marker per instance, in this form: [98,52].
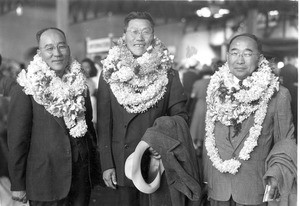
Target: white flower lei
[138,84]
[238,103]
[61,97]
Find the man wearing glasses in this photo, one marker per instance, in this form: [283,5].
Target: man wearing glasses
[249,143]
[137,86]
[50,129]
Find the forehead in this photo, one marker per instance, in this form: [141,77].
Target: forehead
[242,43]
[52,36]
[140,23]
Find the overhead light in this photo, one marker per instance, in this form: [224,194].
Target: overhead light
[214,11]
[19,9]
[216,16]
[204,12]
[224,11]
[273,13]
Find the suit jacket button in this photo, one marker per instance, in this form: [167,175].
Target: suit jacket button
[125,126]
[126,146]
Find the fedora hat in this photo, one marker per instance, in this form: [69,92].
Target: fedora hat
[133,170]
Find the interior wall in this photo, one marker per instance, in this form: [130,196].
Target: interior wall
[17,33]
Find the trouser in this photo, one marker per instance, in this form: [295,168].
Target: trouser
[230,202]
[80,191]
[127,196]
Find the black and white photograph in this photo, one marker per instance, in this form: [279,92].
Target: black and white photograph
[148,102]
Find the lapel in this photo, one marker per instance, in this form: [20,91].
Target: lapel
[128,116]
[246,125]
[61,122]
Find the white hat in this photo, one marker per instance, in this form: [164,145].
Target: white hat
[133,169]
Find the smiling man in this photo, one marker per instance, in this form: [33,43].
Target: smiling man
[136,87]
[249,130]
[50,129]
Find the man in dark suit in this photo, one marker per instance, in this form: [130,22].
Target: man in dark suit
[50,132]
[137,85]
[248,120]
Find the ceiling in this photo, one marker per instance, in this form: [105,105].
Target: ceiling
[83,10]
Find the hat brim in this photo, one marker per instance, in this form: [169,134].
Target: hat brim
[133,169]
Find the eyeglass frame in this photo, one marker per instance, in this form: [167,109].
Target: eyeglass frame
[132,31]
[50,50]
[239,53]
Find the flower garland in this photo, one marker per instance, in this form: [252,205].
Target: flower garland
[61,97]
[231,103]
[137,83]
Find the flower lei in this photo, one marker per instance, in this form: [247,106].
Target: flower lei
[231,103]
[61,97]
[138,84]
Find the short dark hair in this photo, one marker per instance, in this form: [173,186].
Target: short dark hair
[138,15]
[40,32]
[252,36]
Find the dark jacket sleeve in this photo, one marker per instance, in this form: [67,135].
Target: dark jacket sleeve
[104,125]
[19,133]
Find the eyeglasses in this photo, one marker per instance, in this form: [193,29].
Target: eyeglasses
[245,54]
[62,48]
[144,32]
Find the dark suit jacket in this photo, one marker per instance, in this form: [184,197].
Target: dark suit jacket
[40,148]
[247,185]
[120,131]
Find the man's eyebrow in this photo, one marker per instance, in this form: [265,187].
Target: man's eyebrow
[47,45]
[236,49]
[247,49]
[59,43]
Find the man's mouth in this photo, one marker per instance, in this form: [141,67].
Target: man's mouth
[139,45]
[58,61]
[239,68]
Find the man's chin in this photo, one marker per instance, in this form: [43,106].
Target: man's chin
[58,69]
[138,52]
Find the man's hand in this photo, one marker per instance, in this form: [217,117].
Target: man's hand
[274,192]
[109,177]
[19,196]
[154,154]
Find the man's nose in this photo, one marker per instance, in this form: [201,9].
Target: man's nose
[56,51]
[140,36]
[240,58]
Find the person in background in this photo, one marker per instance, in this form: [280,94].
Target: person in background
[137,86]
[249,131]
[6,82]
[289,77]
[51,137]
[91,71]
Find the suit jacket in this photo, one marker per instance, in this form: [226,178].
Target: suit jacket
[247,185]
[41,149]
[120,131]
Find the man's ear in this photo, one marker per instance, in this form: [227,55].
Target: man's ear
[38,51]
